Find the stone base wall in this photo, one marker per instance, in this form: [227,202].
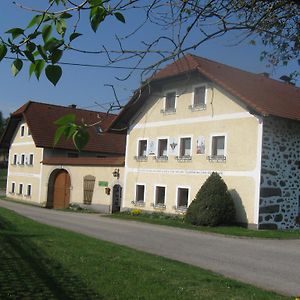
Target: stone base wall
[280,174]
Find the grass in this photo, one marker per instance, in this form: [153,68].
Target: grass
[169,220]
[3,175]
[43,262]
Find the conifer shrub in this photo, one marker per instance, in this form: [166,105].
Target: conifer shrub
[213,204]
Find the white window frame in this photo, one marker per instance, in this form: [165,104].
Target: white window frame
[164,110]
[179,156]
[22,131]
[22,189]
[157,147]
[11,189]
[24,162]
[211,143]
[193,107]
[135,194]
[27,195]
[189,196]
[138,157]
[155,194]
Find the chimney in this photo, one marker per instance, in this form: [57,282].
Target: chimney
[264,74]
[72,105]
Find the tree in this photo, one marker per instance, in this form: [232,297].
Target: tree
[181,26]
[2,123]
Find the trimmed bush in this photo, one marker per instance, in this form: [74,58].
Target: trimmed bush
[212,205]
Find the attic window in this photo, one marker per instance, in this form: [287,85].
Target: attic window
[28,131]
[98,129]
[22,130]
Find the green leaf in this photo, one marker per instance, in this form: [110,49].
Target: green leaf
[56,56]
[30,46]
[81,138]
[53,73]
[70,131]
[65,15]
[34,35]
[95,2]
[16,66]
[46,32]
[97,15]
[35,21]
[61,27]
[120,17]
[3,51]
[66,120]
[15,32]
[29,55]
[58,134]
[42,52]
[31,69]
[53,44]
[74,36]
[39,66]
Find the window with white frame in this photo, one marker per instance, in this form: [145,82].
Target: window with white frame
[162,148]
[199,97]
[15,159]
[13,187]
[185,149]
[170,102]
[30,159]
[182,197]
[29,189]
[142,148]
[218,146]
[22,162]
[20,188]
[22,130]
[28,131]
[160,195]
[140,193]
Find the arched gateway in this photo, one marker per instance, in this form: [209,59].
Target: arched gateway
[58,189]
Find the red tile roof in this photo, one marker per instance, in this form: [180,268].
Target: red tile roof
[40,118]
[118,161]
[261,94]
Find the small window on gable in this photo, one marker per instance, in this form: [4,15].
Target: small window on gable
[22,130]
[28,131]
[140,193]
[21,188]
[142,150]
[28,193]
[30,159]
[199,96]
[170,103]
[22,159]
[162,151]
[15,160]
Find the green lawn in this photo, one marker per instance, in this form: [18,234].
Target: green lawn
[161,219]
[42,262]
[3,174]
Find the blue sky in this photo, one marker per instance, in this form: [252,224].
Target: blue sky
[84,86]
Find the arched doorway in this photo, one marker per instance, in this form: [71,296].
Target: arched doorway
[116,198]
[59,189]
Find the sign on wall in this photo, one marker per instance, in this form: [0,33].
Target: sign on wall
[200,145]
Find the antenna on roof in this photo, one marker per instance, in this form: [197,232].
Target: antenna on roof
[72,106]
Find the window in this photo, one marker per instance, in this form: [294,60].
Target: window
[218,146]
[30,159]
[162,151]
[185,147]
[15,160]
[182,197]
[28,190]
[140,193]
[142,149]
[21,188]
[199,97]
[170,105]
[28,131]
[22,159]
[13,187]
[22,130]
[160,195]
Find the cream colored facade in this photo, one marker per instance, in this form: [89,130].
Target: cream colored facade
[26,169]
[223,116]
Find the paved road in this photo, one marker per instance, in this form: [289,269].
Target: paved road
[270,264]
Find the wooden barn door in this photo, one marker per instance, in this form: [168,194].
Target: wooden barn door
[61,191]
[88,188]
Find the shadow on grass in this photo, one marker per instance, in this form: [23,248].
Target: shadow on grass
[27,273]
